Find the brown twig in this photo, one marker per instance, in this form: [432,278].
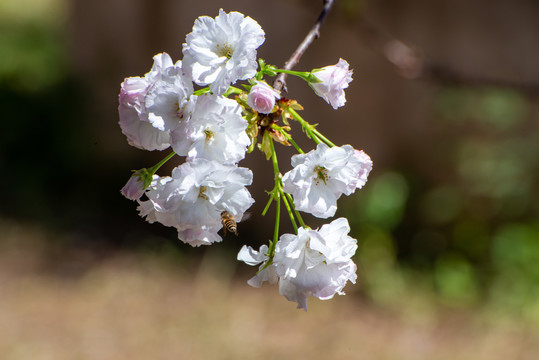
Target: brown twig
[411,63]
[314,33]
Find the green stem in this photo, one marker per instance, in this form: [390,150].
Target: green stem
[310,129]
[298,149]
[305,75]
[268,205]
[156,167]
[298,215]
[276,194]
[290,72]
[314,137]
[274,161]
[288,137]
[206,90]
[290,211]
[276,229]
[232,90]
[298,118]
[202,91]
[323,138]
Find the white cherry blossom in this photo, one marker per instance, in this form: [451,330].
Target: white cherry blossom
[315,262]
[221,51]
[252,257]
[193,199]
[321,176]
[333,80]
[168,100]
[152,105]
[215,131]
[160,110]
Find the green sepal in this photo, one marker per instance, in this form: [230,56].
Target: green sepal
[265,146]
[144,175]
[311,77]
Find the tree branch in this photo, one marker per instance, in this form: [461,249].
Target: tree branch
[411,63]
[314,33]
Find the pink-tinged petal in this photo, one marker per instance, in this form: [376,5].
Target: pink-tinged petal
[151,106]
[315,262]
[193,199]
[262,98]
[333,80]
[321,176]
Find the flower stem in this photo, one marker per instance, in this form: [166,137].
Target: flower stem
[274,161]
[310,129]
[290,212]
[202,91]
[276,229]
[232,90]
[156,167]
[288,137]
[268,205]
[276,195]
[323,138]
[298,215]
[302,74]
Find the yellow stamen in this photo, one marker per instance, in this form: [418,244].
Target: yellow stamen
[225,50]
[321,174]
[202,193]
[209,134]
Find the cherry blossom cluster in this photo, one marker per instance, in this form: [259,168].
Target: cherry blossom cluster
[194,107]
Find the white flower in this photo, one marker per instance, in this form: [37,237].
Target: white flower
[262,98]
[315,262]
[321,176]
[222,50]
[364,162]
[168,100]
[252,257]
[215,131]
[193,199]
[152,105]
[334,79]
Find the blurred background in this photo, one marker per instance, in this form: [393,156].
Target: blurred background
[445,100]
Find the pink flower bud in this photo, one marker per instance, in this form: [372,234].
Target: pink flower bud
[333,80]
[262,98]
[134,188]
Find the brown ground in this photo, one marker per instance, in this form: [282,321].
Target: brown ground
[137,307]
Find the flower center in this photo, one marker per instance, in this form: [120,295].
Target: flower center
[321,175]
[209,134]
[202,193]
[225,50]
[178,109]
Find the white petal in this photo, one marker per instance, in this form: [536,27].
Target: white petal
[221,51]
[252,257]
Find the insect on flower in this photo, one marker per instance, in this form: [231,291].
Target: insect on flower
[213,130]
[229,223]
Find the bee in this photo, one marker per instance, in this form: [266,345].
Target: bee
[229,223]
